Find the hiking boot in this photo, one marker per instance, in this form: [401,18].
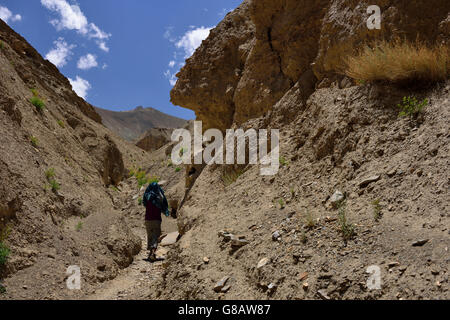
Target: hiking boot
[152,257]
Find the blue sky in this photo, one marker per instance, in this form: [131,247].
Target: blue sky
[118,54]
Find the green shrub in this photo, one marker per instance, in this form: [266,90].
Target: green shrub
[79,226]
[34,92]
[283,161]
[61,124]
[310,222]
[50,173]
[2,289]
[377,214]
[34,141]
[140,201]
[410,106]
[1,45]
[177,169]
[54,185]
[230,176]
[281,203]
[347,229]
[4,253]
[38,103]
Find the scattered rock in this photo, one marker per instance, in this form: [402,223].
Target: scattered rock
[262,263]
[271,288]
[420,243]
[221,284]
[226,288]
[305,286]
[393,264]
[238,242]
[170,239]
[303,276]
[206,260]
[323,294]
[364,183]
[276,236]
[336,198]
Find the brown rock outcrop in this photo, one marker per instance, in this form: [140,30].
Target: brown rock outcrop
[261,50]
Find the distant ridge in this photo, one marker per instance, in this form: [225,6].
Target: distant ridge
[130,125]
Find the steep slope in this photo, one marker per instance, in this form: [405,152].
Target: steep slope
[62,172]
[131,125]
[280,69]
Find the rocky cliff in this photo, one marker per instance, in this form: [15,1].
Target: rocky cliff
[358,186]
[263,48]
[59,167]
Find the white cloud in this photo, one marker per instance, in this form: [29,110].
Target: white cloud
[104,66]
[80,86]
[6,15]
[102,46]
[192,40]
[61,53]
[185,46]
[171,77]
[72,18]
[87,62]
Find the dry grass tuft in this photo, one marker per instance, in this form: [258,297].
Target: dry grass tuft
[399,61]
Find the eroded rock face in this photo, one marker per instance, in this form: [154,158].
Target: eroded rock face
[123,244]
[262,49]
[154,139]
[207,84]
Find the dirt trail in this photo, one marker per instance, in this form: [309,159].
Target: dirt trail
[134,281]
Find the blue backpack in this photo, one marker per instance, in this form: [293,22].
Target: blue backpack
[154,194]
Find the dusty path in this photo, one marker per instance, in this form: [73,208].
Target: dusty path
[133,282]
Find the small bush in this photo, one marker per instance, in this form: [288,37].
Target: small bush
[4,253]
[281,203]
[283,161]
[34,141]
[54,185]
[34,92]
[230,176]
[410,106]
[79,226]
[38,103]
[1,45]
[177,169]
[2,289]
[347,229]
[399,61]
[310,222]
[50,173]
[140,201]
[377,214]
[61,124]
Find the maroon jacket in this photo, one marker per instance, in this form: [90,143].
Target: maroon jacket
[152,213]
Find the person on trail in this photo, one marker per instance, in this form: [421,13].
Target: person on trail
[155,203]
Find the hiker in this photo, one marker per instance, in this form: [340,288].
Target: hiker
[155,203]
